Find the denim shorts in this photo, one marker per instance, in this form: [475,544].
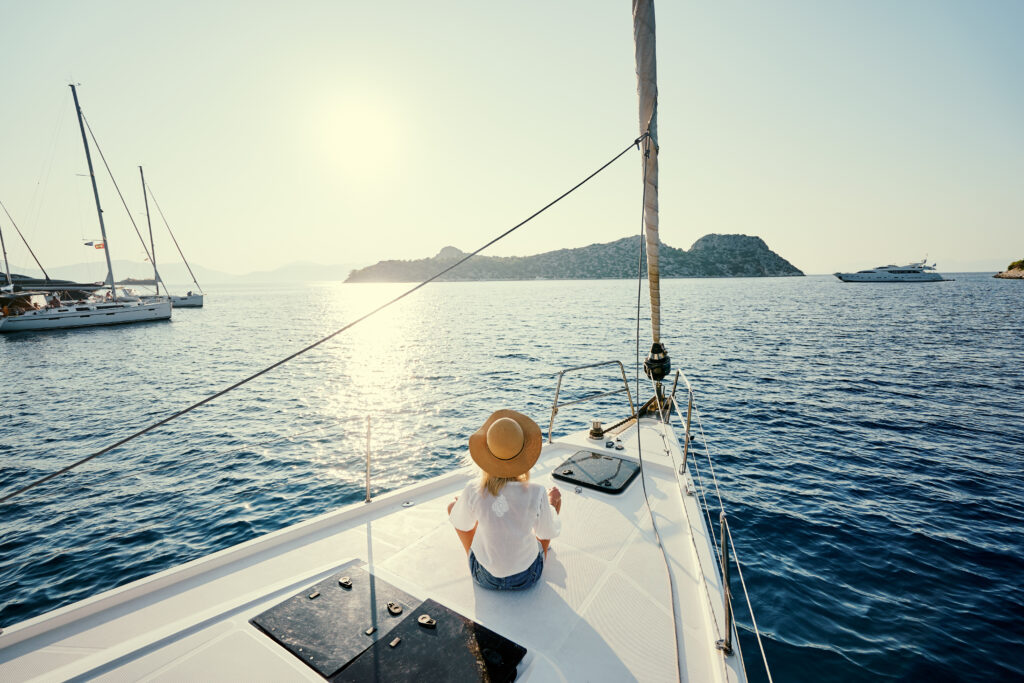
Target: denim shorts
[516,582]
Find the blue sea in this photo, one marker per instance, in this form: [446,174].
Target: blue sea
[868,440]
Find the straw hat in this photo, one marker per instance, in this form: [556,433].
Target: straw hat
[507,445]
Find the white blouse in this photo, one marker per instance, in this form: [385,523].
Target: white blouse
[510,524]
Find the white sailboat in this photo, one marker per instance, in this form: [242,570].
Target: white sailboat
[636,587]
[38,310]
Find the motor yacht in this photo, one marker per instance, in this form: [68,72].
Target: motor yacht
[913,272]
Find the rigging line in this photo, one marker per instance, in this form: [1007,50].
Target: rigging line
[750,607]
[123,202]
[168,226]
[24,240]
[288,437]
[707,452]
[317,343]
[727,531]
[639,274]
[263,444]
[293,435]
[715,555]
[39,193]
[700,480]
[639,431]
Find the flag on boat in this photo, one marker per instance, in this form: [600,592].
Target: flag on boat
[95,245]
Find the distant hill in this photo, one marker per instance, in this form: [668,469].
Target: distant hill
[710,256]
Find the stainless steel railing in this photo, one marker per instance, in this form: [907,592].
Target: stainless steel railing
[725,549]
[555,405]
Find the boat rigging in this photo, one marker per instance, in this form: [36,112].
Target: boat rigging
[34,310]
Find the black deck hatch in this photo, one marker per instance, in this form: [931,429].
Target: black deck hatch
[452,648]
[328,625]
[598,471]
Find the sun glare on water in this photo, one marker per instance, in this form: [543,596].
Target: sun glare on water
[369,370]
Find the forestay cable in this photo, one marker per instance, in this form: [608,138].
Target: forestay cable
[149,257]
[171,232]
[317,343]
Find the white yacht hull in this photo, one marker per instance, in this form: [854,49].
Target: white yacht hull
[87,315]
[890,277]
[188,301]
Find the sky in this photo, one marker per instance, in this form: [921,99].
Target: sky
[845,134]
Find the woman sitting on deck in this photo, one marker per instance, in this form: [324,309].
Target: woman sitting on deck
[504,522]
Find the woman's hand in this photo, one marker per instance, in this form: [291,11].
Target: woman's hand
[555,498]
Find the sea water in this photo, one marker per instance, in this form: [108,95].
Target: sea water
[868,440]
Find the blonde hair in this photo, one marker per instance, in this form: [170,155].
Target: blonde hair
[494,484]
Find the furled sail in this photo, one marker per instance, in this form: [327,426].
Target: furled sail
[647,89]
[657,365]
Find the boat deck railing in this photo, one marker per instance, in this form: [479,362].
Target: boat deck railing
[555,405]
[725,548]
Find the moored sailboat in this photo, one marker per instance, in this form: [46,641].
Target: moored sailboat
[32,311]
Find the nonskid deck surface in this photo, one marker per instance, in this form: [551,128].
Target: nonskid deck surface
[602,611]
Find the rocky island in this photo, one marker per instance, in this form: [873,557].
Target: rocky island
[710,256]
[1015,271]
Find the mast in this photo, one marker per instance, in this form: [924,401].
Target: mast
[152,246]
[95,193]
[657,365]
[7,266]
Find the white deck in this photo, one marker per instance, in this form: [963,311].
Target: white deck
[602,612]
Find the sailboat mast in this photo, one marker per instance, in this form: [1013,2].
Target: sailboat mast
[657,365]
[95,192]
[152,246]
[7,266]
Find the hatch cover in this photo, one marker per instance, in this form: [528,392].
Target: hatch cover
[598,471]
[328,624]
[443,646]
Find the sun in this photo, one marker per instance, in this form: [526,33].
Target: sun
[360,136]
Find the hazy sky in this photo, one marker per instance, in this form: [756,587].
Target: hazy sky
[846,134]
